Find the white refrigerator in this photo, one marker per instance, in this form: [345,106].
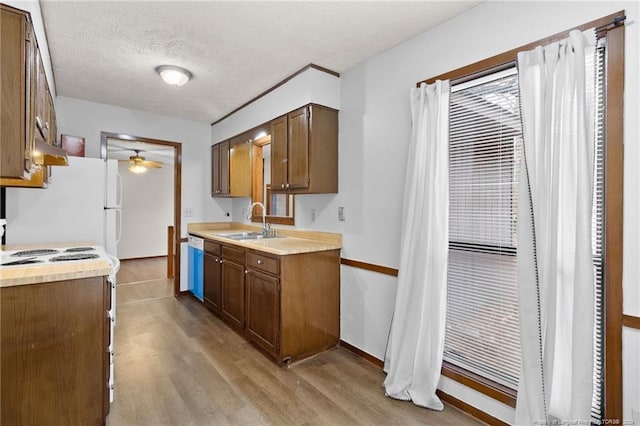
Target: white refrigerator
[82,203]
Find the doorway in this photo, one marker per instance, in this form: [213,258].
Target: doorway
[140,152]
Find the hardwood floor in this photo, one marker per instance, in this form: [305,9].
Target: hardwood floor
[178,364]
[143,279]
[135,270]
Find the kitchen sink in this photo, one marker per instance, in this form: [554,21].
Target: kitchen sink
[246,236]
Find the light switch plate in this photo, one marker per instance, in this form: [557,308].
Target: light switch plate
[341,215]
[313,215]
[188,212]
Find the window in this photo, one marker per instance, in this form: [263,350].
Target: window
[485,142]
[485,138]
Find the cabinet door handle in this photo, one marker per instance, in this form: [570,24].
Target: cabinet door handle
[282,186]
[260,261]
[246,272]
[287,186]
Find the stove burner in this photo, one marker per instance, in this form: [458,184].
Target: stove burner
[76,256]
[79,249]
[28,261]
[36,252]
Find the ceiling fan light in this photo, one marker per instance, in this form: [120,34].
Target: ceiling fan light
[174,76]
[137,168]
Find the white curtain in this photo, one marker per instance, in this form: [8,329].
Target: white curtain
[416,342]
[555,266]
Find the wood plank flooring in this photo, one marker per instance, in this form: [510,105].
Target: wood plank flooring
[178,364]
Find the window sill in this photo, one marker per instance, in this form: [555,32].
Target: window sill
[485,386]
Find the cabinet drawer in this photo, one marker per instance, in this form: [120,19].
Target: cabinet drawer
[263,263]
[234,254]
[212,248]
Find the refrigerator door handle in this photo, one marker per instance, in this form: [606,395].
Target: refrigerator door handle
[119,225]
[120,191]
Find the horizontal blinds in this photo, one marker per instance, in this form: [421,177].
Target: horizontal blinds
[597,62]
[482,332]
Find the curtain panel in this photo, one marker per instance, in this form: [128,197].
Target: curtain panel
[555,264]
[413,359]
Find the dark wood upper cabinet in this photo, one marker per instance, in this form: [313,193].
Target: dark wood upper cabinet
[220,169]
[305,158]
[231,168]
[215,170]
[279,155]
[27,110]
[15,46]
[298,149]
[224,168]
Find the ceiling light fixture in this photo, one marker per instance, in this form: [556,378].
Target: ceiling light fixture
[137,168]
[174,76]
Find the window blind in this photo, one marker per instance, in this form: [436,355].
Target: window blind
[596,63]
[485,134]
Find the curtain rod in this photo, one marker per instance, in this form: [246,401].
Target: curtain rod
[617,21]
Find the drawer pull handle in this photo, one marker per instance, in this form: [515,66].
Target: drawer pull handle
[260,261]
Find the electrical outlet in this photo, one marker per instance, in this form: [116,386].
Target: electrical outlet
[244,212]
[635,413]
[341,215]
[188,212]
[313,215]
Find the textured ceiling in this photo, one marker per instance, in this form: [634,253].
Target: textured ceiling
[106,51]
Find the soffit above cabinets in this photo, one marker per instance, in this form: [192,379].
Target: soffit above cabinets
[106,51]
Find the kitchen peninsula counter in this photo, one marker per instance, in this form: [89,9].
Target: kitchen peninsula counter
[289,241]
[48,272]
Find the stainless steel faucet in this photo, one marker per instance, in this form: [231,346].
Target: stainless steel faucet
[266,228]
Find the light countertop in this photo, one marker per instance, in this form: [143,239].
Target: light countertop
[48,272]
[290,241]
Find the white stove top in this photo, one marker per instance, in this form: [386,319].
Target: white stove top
[48,256]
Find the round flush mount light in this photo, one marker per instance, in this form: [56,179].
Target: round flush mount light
[174,76]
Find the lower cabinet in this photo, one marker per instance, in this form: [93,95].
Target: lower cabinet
[263,310]
[53,353]
[289,306]
[233,286]
[212,276]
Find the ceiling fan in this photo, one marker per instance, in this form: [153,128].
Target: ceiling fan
[139,164]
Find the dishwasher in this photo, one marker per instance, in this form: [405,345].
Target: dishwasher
[196,266]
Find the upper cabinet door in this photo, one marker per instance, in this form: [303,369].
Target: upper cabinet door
[279,159]
[298,149]
[15,45]
[42,101]
[224,168]
[220,169]
[215,170]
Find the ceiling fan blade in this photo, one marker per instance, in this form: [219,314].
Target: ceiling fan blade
[152,164]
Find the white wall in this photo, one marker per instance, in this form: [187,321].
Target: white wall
[374,132]
[87,119]
[147,210]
